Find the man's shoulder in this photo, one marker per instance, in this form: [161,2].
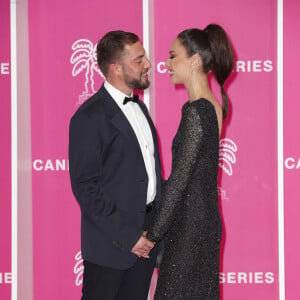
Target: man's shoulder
[90,104]
[95,105]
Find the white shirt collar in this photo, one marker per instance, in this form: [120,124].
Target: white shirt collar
[117,95]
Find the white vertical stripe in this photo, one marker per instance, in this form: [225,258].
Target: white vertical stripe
[280,149]
[146,42]
[14,152]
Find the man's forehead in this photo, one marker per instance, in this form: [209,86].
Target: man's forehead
[134,50]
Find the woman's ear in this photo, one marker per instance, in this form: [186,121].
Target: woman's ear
[196,61]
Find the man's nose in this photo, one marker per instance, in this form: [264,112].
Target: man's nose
[148,64]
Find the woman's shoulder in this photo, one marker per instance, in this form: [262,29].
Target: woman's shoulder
[200,106]
[202,109]
[202,102]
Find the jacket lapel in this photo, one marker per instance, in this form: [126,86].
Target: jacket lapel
[120,121]
[118,118]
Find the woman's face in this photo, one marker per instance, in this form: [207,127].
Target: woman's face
[178,63]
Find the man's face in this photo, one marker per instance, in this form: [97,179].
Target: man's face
[135,66]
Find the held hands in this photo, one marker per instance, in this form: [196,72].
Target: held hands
[142,247]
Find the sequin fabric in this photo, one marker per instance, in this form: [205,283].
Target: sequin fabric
[189,219]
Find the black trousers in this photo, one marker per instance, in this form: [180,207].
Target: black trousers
[102,283]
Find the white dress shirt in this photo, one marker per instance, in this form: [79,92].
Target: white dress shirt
[141,128]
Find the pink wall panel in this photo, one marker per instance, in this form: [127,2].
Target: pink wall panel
[61,31]
[291,145]
[60,82]
[5,157]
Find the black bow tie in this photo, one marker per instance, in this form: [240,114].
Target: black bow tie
[135,99]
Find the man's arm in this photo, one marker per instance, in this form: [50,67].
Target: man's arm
[86,171]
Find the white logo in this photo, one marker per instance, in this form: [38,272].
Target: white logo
[292,163]
[84,57]
[51,165]
[5,278]
[254,66]
[78,269]
[222,193]
[4,68]
[244,66]
[246,277]
[227,155]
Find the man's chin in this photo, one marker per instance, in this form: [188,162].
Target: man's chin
[142,85]
[138,84]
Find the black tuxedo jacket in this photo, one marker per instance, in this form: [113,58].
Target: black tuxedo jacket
[109,180]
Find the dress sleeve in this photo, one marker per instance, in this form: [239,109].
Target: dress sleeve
[183,166]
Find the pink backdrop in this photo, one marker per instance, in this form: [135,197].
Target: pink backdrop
[248,157]
[291,146]
[5,157]
[63,75]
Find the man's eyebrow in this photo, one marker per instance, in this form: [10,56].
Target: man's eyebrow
[139,57]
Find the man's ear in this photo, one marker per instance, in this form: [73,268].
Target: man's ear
[115,69]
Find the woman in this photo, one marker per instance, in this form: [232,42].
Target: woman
[189,218]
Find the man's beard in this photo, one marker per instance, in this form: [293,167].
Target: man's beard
[135,83]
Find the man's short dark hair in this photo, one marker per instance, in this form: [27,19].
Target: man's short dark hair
[111,47]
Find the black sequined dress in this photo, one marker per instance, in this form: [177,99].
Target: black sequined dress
[189,219]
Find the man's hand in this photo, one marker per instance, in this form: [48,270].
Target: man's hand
[142,247]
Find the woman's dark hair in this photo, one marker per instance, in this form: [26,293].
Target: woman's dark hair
[111,47]
[215,50]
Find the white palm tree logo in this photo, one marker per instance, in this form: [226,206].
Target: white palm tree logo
[227,157]
[84,57]
[78,269]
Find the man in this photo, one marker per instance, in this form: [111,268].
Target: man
[115,175]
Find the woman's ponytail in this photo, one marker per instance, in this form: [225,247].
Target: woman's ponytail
[222,59]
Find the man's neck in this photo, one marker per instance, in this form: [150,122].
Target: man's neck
[121,86]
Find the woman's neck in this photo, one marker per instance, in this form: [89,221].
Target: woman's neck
[198,87]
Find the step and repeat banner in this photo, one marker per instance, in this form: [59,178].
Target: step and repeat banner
[291,63]
[5,157]
[64,74]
